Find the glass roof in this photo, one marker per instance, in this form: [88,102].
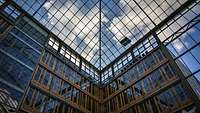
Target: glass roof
[83,24]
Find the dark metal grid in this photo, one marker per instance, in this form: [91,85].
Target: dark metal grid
[148,12]
[166,32]
[72,43]
[172,6]
[189,12]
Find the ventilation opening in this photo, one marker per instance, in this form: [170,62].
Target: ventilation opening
[125,41]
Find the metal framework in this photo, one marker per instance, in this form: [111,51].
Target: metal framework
[156,80]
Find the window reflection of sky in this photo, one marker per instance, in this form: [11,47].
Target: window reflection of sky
[188,41]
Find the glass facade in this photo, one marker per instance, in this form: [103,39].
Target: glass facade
[164,102]
[65,56]
[20,47]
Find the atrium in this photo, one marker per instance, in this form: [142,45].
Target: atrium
[100,56]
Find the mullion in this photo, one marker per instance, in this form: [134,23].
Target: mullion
[120,20]
[87,53]
[90,50]
[110,10]
[159,6]
[103,6]
[106,51]
[103,52]
[41,17]
[72,23]
[94,55]
[131,20]
[152,11]
[86,45]
[35,10]
[79,22]
[87,35]
[48,21]
[103,59]
[113,45]
[137,16]
[190,51]
[170,6]
[97,58]
[110,41]
[64,16]
[114,54]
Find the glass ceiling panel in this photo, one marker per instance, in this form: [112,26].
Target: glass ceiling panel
[77,23]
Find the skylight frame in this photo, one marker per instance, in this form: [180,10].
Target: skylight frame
[107,57]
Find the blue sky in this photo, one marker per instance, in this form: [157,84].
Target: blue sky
[76,22]
[188,40]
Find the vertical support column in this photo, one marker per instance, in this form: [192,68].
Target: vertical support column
[100,72]
[113,72]
[100,41]
[80,65]
[133,56]
[59,47]
[184,81]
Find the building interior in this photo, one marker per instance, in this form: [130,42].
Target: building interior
[99,56]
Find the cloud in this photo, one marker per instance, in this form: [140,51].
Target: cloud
[178,45]
[127,24]
[86,30]
[47,5]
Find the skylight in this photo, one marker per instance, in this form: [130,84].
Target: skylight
[79,23]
